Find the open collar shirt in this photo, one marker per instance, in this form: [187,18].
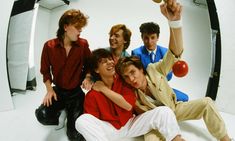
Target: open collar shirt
[100,106]
[64,71]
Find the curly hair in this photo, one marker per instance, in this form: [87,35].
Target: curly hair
[149,28]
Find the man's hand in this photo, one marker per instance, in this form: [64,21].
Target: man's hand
[171,10]
[87,83]
[47,101]
[99,86]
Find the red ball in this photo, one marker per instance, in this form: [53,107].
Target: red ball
[180,68]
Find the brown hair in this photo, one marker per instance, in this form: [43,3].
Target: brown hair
[149,28]
[126,33]
[95,58]
[127,61]
[74,17]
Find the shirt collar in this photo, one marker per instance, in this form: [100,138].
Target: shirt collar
[149,51]
[61,44]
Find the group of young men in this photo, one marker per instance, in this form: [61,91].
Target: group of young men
[128,96]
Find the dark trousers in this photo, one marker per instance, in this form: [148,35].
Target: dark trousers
[70,100]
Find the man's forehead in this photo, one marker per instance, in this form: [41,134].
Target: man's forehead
[128,68]
[149,34]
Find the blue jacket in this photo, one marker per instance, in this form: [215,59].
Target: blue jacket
[143,54]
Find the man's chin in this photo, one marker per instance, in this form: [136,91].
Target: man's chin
[135,86]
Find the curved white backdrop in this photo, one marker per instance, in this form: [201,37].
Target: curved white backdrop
[5,95]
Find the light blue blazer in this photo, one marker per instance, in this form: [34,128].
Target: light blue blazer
[144,56]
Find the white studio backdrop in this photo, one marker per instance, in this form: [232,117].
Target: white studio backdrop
[5,100]
[197,38]
[226,95]
[105,13]
[20,49]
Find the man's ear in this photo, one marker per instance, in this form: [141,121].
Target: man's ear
[142,70]
[65,27]
[97,71]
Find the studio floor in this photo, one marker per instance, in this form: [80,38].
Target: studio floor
[20,124]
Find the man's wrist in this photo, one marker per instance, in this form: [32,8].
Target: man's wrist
[175,24]
[88,76]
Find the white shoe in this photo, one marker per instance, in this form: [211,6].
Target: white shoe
[61,120]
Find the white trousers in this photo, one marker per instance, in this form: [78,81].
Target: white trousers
[161,118]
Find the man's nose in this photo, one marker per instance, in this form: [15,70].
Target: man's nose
[132,78]
[79,30]
[112,37]
[110,61]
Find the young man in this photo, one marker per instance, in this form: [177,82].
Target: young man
[62,67]
[152,86]
[109,107]
[150,52]
[119,41]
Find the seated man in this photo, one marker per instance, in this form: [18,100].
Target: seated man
[152,88]
[109,107]
[150,52]
[63,65]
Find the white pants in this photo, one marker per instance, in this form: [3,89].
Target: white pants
[161,118]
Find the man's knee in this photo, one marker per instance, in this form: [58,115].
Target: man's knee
[45,118]
[154,135]
[81,122]
[207,101]
[164,110]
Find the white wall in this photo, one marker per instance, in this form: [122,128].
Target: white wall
[41,35]
[226,94]
[5,95]
[102,17]
[197,50]
[105,13]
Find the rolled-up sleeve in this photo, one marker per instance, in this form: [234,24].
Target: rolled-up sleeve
[45,64]
[165,65]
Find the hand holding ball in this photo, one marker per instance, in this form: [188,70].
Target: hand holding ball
[180,68]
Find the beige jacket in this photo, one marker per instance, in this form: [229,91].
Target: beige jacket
[158,84]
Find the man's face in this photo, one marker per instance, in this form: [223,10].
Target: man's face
[150,40]
[134,76]
[116,40]
[106,67]
[72,32]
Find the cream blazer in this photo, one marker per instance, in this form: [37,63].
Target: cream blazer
[158,84]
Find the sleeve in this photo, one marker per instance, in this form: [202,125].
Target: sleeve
[87,49]
[165,65]
[133,53]
[129,95]
[90,104]
[86,55]
[136,52]
[163,51]
[45,64]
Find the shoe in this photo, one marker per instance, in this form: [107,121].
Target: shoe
[62,119]
[73,135]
